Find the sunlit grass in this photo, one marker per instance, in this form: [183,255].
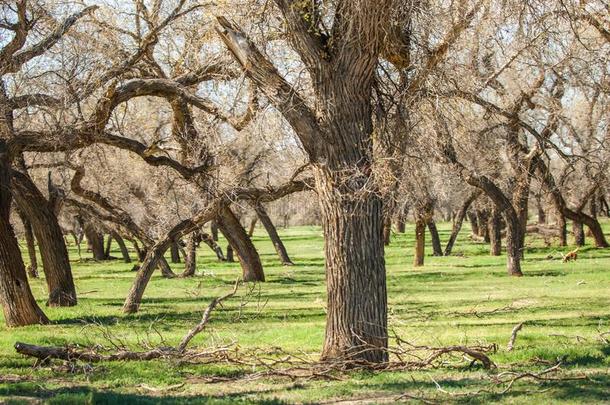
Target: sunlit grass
[465,299]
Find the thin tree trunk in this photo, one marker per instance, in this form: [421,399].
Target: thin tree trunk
[420,242]
[563,232]
[122,247]
[474,225]
[436,240]
[108,247]
[32,268]
[387,229]
[18,303]
[230,258]
[55,261]
[214,230]
[459,220]
[399,224]
[174,252]
[273,235]
[166,270]
[236,235]
[252,226]
[140,252]
[540,209]
[495,237]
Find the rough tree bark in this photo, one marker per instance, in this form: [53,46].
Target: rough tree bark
[18,303]
[53,251]
[273,235]
[338,138]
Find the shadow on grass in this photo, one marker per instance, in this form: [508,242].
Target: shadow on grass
[17,393]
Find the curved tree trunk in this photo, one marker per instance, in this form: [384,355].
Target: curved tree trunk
[436,240]
[228,224]
[53,251]
[122,247]
[459,220]
[273,235]
[32,268]
[18,303]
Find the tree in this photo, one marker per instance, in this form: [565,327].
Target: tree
[337,136]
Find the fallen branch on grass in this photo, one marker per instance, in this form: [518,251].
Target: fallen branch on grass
[72,353]
[513,336]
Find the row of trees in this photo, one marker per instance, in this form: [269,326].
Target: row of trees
[148,120]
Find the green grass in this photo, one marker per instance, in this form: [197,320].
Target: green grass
[443,303]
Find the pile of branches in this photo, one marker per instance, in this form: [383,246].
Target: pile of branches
[258,363]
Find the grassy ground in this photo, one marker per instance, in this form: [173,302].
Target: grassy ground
[463,299]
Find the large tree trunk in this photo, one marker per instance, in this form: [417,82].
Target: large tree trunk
[95,240]
[459,220]
[236,235]
[355,272]
[495,233]
[18,303]
[420,242]
[273,235]
[53,251]
[437,249]
[32,268]
[579,233]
